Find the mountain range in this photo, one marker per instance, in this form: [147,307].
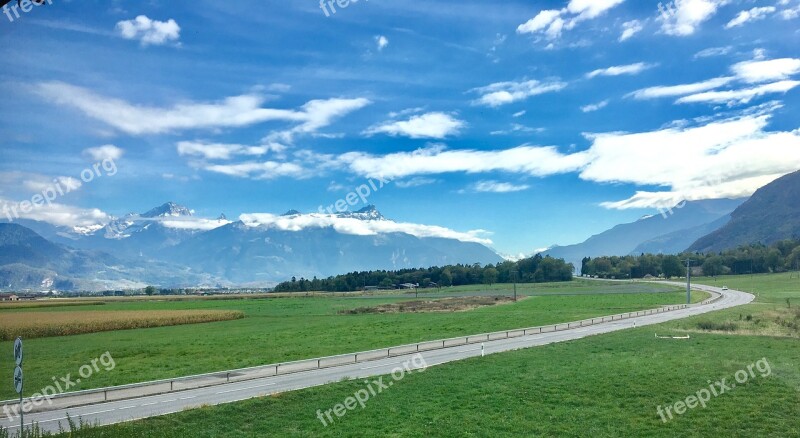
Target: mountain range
[167,246]
[770,215]
[670,232]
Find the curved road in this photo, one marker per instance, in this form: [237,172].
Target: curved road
[150,406]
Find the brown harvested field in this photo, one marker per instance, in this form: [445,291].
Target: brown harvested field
[46,324]
[461,304]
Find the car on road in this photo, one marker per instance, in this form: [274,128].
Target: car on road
[724,287]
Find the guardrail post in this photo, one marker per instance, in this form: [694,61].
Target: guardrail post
[228,377]
[170,385]
[105,395]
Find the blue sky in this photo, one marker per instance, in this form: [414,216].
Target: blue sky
[535,122]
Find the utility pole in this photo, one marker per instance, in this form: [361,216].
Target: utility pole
[688,281]
[514,274]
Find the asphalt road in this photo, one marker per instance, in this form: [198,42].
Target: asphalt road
[144,407]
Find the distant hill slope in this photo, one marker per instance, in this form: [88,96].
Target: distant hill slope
[29,261]
[770,215]
[626,238]
[678,241]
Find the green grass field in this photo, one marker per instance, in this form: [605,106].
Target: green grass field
[604,386]
[285,329]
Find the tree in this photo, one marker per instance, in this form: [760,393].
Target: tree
[490,276]
[671,266]
[713,266]
[446,278]
[150,290]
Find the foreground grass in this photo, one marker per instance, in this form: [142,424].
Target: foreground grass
[604,386]
[287,329]
[46,324]
[769,315]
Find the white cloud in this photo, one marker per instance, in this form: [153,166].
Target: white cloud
[435,125]
[594,107]
[684,17]
[519,114]
[517,128]
[630,28]
[723,158]
[713,51]
[587,9]
[742,96]
[680,90]
[552,22]
[790,13]
[58,214]
[221,151]
[767,71]
[382,42]
[547,21]
[503,93]
[498,187]
[192,223]
[149,31]
[530,160]
[236,111]
[417,181]
[618,70]
[26,184]
[358,227]
[259,170]
[751,15]
[727,158]
[776,72]
[105,152]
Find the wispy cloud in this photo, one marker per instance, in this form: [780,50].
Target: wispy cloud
[105,152]
[741,96]
[713,51]
[618,70]
[754,14]
[680,90]
[222,151]
[231,112]
[492,186]
[629,29]
[436,125]
[594,107]
[504,93]
[552,22]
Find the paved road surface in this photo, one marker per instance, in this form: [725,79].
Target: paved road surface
[126,410]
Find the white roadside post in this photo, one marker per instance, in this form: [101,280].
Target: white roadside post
[483,352]
[19,381]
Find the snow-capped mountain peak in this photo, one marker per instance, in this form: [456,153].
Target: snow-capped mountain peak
[170,209]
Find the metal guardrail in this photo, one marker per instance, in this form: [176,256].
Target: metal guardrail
[165,386]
